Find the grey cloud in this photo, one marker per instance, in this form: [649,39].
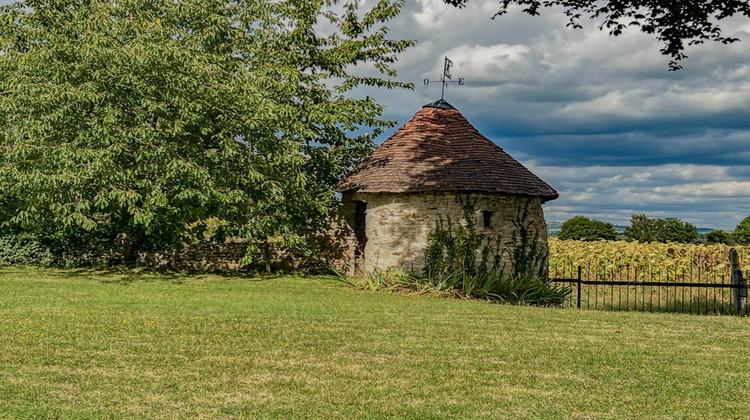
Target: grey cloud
[696,193]
[548,78]
[705,146]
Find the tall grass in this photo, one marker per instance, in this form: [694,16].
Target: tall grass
[524,289]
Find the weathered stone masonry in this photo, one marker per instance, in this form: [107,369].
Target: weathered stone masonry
[211,257]
[397,225]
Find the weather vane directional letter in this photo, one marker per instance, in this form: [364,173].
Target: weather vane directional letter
[446,77]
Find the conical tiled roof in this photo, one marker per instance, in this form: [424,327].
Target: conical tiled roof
[439,150]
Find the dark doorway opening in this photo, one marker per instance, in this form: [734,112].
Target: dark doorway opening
[360,227]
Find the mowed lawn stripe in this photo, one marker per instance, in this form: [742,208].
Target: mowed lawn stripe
[90,345]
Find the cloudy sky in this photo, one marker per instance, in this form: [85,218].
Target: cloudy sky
[599,118]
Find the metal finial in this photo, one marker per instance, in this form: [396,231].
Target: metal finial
[445,78]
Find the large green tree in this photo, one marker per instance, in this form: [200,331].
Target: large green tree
[670,229]
[581,227]
[718,237]
[674,22]
[144,116]
[742,232]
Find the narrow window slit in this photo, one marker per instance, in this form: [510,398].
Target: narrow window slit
[487,219]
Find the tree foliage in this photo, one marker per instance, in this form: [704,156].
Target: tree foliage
[742,232]
[718,237]
[675,23]
[145,116]
[641,229]
[581,227]
[670,229]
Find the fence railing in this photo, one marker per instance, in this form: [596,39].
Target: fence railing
[723,292]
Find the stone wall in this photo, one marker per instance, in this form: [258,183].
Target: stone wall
[395,234]
[397,225]
[209,257]
[332,249]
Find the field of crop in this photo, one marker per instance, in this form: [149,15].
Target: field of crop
[634,263]
[622,260]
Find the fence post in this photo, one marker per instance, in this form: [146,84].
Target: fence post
[743,292]
[579,287]
[739,293]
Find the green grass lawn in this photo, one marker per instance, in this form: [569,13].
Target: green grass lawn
[88,345]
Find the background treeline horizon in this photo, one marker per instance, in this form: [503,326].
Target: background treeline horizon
[643,228]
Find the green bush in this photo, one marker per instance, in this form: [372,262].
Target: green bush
[463,262]
[24,249]
[524,289]
[584,228]
[742,232]
[58,248]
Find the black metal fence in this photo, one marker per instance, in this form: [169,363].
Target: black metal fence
[720,292]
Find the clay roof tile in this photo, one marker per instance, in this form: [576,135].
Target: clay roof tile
[439,150]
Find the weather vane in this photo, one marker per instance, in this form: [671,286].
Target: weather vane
[446,77]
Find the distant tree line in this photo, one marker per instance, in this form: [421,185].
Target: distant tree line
[647,229]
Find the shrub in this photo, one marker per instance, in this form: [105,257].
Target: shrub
[523,289]
[23,249]
[581,227]
[742,232]
[59,248]
[493,286]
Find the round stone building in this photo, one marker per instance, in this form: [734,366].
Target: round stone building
[428,171]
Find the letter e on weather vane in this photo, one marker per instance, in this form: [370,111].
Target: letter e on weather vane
[445,78]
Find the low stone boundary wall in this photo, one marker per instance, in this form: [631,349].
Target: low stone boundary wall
[333,248]
[221,257]
[227,256]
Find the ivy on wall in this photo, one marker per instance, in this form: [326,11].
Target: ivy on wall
[463,249]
